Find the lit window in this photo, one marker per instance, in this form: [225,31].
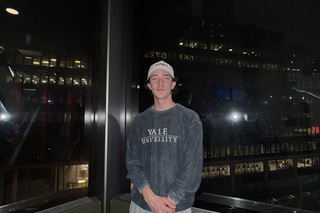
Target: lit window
[26,80]
[84,81]
[52,79]
[36,62]
[61,81]
[76,81]
[272,165]
[45,62]
[35,79]
[77,64]
[53,60]
[27,60]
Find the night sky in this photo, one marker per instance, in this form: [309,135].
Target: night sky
[299,20]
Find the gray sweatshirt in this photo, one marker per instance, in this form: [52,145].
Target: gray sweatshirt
[164,151]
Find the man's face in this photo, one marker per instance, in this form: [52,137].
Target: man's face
[161,84]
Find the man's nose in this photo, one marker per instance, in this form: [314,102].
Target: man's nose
[160,81]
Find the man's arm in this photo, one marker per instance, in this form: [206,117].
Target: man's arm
[138,178]
[190,175]
[133,162]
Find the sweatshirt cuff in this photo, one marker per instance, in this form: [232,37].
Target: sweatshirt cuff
[142,185]
[175,196]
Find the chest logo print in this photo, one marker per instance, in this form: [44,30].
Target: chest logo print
[159,135]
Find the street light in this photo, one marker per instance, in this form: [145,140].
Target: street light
[235,116]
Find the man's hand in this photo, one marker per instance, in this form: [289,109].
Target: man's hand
[156,203]
[174,203]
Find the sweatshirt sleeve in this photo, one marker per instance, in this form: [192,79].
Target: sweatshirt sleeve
[188,181]
[133,162]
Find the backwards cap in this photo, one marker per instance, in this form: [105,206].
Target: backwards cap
[161,65]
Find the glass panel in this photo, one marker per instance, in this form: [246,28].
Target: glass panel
[223,151]
[214,171]
[300,163]
[53,77]
[180,42]
[27,60]
[76,80]
[61,80]
[53,61]
[35,79]
[77,64]
[273,148]
[257,149]
[62,63]
[68,80]
[240,169]
[265,74]
[315,161]
[308,162]
[44,78]
[36,61]
[69,64]
[240,150]
[205,172]
[272,165]
[259,167]
[44,145]
[235,151]
[225,170]
[45,61]
[217,152]
[84,81]
[252,150]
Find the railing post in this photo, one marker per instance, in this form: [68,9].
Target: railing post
[61,178]
[266,174]
[1,187]
[53,178]
[233,179]
[14,186]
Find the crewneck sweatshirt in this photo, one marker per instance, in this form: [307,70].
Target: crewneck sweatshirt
[164,151]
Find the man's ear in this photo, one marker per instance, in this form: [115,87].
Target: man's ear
[149,85]
[173,84]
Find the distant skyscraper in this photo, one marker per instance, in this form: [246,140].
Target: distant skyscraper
[220,11]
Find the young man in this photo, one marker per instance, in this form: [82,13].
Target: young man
[164,150]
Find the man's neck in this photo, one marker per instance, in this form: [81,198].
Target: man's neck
[162,105]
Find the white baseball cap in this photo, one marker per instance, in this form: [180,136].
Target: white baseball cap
[161,65]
